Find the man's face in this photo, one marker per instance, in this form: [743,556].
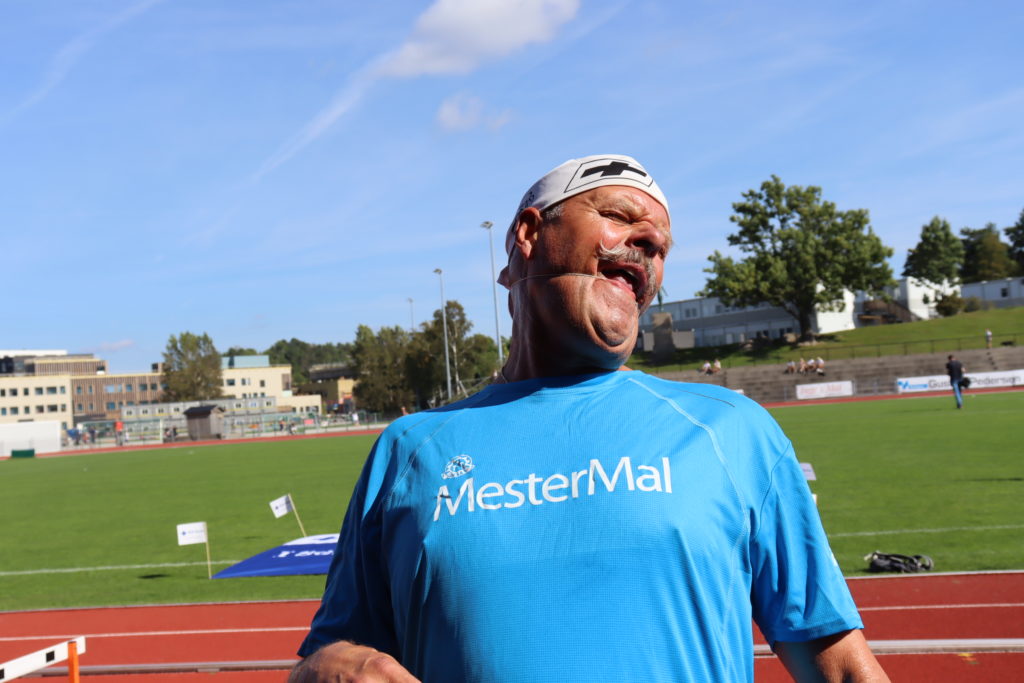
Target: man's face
[620,236]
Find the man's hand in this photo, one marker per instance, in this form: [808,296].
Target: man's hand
[345,662]
[837,658]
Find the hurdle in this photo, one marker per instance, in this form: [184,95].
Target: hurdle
[69,650]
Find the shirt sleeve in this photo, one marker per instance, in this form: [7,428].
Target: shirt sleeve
[798,591]
[356,604]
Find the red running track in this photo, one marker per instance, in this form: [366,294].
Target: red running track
[897,608]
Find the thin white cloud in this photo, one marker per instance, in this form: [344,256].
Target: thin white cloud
[112,347]
[71,53]
[456,36]
[464,112]
[450,37]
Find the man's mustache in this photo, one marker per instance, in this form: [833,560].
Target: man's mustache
[633,257]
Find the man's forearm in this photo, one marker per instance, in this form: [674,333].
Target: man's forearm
[840,658]
[346,661]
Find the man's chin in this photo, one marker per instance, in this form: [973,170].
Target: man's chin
[616,339]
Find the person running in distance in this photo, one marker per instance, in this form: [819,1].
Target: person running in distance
[955,370]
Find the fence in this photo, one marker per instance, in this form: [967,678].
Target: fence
[735,356]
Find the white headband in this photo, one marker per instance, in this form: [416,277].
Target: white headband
[579,175]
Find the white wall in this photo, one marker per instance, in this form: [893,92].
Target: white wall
[44,437]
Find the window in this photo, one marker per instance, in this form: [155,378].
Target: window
[40,409]
[92,407]
[63,389]
[14,411]
[78,407]
[52,391]
[131,403]
[52,408]
[127,387]
[3,392]
[63,407]
[263,383]
[14,392]
[78,389]
[111,405]
[152,387]
[229,382]
[90,388]
[110,388]
[143,386]
[1004,292]
[246,381]
[3,411]
[39,391]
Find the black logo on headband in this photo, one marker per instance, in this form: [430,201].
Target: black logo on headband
[613,168]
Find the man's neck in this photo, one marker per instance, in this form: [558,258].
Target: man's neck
[531,361]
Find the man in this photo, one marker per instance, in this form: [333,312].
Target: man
[955,370]
[578,521]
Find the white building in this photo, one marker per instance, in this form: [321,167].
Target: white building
[713,323]
[1003,293]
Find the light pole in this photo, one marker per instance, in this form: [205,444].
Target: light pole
[412,325]
[444,322]
[487,225]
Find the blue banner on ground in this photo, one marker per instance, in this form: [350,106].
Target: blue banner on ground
[309,555]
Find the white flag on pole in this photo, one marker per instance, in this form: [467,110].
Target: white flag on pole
[193,532]
[282,506]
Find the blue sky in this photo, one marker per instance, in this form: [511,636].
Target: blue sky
[267,170]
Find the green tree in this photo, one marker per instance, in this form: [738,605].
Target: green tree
[986,256]
[802,254]
[303,355]
[1015,233]
[379,363]
[938,256]
[241,351]
[472,359]
[192,368]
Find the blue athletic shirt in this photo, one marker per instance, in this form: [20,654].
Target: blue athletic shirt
[608,527]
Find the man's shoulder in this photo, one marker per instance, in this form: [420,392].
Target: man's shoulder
[700,396]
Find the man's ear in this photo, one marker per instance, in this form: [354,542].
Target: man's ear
[527,228]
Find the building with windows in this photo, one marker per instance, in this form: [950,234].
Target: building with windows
[30,398]
[335,383]
[102,397]
[76,388]
[1004,293]
[712,323]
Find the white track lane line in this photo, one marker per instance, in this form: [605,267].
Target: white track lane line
[885,608]
[72,570]
[280,629]
[145,634]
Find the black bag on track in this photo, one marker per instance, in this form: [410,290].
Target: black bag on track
[892,562]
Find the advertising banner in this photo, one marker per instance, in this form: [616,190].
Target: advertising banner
[308,555]
[824,390]
[979,380]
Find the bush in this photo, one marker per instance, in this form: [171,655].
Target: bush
[973,303]
[949,304]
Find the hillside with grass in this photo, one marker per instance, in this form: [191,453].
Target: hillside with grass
[959,332]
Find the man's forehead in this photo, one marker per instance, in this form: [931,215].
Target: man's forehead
[638,203]
[577,176]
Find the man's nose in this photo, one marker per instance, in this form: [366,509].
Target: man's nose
[649,238]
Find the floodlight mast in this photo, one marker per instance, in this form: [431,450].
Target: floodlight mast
[444,322]
[487,225]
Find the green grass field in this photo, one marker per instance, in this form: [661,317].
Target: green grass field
[887,471]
